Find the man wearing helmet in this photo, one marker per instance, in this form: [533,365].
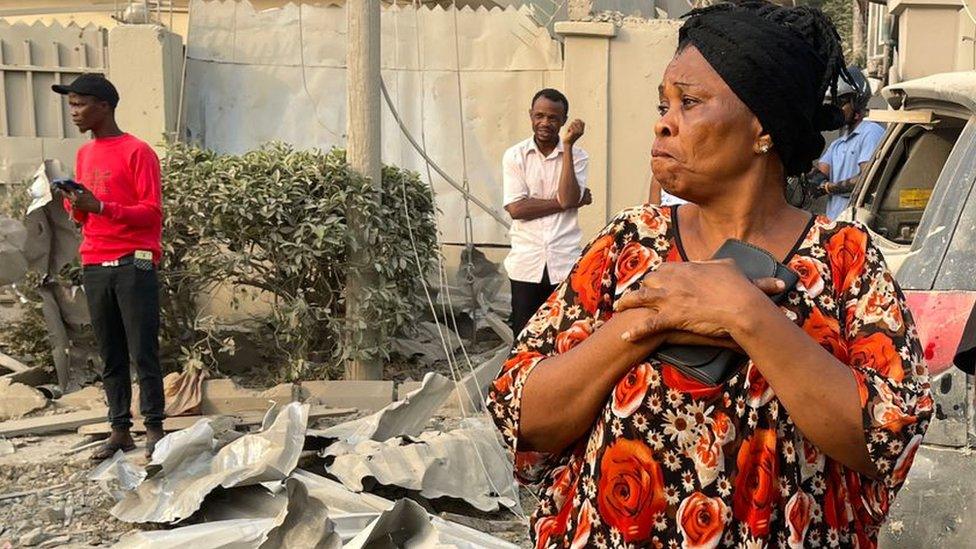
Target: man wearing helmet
[849,154]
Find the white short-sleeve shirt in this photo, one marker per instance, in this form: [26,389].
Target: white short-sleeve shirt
[553,241]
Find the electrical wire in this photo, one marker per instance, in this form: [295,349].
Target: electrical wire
[301,57]
[447,309]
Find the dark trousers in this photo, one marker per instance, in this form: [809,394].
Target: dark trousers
[527,297]
[124,306]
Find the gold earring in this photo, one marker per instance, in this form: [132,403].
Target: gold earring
[764,147]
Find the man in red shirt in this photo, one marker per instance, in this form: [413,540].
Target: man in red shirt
[118,205]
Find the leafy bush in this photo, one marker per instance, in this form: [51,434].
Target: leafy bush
[274,220]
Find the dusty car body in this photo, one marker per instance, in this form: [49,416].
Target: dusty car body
[918,199]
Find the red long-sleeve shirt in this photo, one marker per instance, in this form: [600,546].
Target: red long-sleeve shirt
[123,173]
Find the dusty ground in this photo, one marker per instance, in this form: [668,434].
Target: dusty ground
[47,501]
[62,508]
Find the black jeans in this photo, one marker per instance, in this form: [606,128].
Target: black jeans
[124,306]
[527,297]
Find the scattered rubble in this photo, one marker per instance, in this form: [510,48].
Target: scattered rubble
[618,18]
[245,469]
[56,506]
[274,504]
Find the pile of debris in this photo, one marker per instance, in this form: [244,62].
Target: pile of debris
[233,476]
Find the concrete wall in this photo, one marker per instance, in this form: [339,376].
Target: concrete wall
[254,76]
[466,107]
[611,78]
[933,36]
[638,56]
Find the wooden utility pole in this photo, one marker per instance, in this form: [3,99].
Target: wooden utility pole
[363,154]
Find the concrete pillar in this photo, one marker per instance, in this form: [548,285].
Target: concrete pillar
[363,154]
[146,65]
[586,64]
[933,36]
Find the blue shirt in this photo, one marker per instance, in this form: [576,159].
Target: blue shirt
[845,155]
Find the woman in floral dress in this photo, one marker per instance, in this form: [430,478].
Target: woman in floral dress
[807,445]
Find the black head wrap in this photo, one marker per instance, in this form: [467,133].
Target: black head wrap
[780,62]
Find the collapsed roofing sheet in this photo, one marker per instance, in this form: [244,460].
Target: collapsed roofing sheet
[188,465]
[265,503]
[319,513]
[405,417]
[466,463]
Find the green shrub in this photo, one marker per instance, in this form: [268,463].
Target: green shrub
[274,220]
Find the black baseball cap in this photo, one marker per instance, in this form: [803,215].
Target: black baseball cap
[91,84]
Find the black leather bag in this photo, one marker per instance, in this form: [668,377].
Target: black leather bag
[715,365]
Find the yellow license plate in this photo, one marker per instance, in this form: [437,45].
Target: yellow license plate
[914,199]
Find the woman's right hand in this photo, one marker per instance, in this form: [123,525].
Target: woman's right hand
[701,298]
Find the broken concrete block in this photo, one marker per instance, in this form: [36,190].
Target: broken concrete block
[17,399]
[12,364]
[33,376]
[223,396]
[85,399]
[364,395]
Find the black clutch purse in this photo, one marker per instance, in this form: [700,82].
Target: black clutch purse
[715,365]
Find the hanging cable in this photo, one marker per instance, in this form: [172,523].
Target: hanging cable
[501,219]
[301,57]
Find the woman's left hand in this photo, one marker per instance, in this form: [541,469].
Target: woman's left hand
[703,298]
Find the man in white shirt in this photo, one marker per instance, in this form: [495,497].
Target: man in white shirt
[545,183]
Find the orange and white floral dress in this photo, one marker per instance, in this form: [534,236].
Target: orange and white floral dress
[670,462]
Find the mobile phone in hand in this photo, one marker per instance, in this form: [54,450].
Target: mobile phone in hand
[66,184]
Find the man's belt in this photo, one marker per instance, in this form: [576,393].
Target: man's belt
[120,262]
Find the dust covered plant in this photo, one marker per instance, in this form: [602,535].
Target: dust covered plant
[273,222]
